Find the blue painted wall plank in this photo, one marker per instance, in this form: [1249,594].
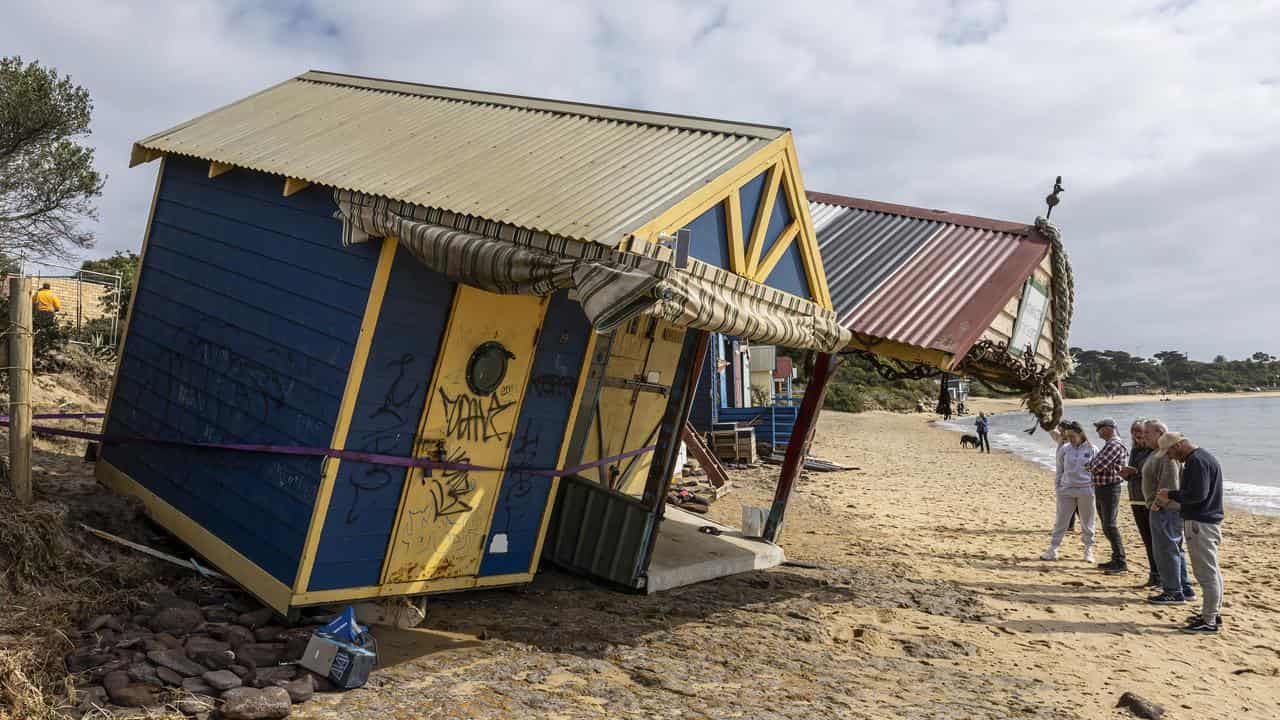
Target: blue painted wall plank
[539,433]
[708,239]
[750,196]
[245,321]
[788,275]
[402,358]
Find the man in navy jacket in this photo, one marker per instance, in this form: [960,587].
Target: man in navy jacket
[1200,496]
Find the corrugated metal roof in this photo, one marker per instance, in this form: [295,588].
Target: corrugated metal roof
[579,171]
[922,277]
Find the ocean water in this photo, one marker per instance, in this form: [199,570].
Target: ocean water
[1243,433]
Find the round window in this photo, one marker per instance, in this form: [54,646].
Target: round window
[487,367]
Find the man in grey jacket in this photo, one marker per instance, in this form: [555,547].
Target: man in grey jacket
[1161,472]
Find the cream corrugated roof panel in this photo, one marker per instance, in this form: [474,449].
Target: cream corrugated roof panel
[579,171]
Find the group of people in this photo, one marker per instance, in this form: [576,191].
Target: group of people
[1175,491]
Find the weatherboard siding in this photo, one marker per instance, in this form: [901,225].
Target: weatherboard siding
[247,312]
[402,358]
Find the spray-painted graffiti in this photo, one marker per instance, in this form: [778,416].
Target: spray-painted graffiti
[450,489]
[388,428]
[471,418]
[553,385]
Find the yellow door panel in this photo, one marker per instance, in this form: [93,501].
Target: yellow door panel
[444,517]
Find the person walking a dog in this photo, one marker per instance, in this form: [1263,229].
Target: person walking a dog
[983,426]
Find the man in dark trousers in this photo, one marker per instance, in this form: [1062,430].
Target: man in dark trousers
[1201,498]
[1138,454]
[1107,486]
[983,426]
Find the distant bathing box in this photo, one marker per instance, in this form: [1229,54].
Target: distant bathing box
[424,272]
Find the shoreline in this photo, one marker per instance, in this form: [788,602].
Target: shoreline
[1011,404]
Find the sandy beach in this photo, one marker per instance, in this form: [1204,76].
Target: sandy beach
[1012,404]
[924,600]
[916,593]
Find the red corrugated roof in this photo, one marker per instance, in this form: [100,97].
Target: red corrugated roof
[926,278]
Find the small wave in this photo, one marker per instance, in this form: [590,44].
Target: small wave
[1260,499]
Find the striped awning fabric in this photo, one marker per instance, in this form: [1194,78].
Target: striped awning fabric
[612,285]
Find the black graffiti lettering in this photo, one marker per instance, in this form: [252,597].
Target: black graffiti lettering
[450,488]
[394,402]
[553,385]
[468,418]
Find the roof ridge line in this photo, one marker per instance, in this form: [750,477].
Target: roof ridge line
[565,107]
[919,213]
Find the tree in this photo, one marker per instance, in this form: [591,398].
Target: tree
[1220,360]
[1262,357]
[124,264]
[47,180]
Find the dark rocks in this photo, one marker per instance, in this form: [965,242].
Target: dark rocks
[198,685]
[116,680]
[295,643]
[169,677]
[256,618]
[1140,706]
[218,661]
[299,690]
[260,654]
[176,620]
[233,635]
[267,704]
[110,622]
[132,638]
[80,661]
[133,695]
[169,640]
[91,696]
[268,676]
[177,661]
[143,672]
[198,645]
[322,683]
[218,614]
[240,670]
[222,679]
[268,633]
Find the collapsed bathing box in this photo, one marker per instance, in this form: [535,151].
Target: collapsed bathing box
[415,271]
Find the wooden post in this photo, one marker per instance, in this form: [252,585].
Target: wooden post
[801,436]
[20,349]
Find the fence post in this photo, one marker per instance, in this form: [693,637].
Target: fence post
[20,350]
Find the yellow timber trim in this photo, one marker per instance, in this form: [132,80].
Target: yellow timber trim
[760,226]
[714,192]
[776,252]
[417,587]
[294,185]
[733,224]
[140,155]
[808,239]
[329,475]
[415,474]
[133,296]
[254,579]
[901,351]
[217,168]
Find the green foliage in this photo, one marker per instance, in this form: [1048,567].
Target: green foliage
[47,180]
[857,387]
[1104,371]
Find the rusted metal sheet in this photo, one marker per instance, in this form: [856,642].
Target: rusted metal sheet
[576,171]
[921,277]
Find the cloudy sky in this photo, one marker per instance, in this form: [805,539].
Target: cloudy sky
[1163,116]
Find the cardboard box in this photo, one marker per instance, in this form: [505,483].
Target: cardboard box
[346,665]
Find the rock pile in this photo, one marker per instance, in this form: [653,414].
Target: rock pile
[221,657]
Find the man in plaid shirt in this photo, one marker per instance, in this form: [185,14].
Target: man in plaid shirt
[1107,485]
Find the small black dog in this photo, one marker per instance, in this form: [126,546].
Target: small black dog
[969,441]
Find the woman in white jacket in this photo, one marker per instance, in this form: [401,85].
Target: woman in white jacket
[1073,484]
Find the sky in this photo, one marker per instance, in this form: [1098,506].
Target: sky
[1161,115]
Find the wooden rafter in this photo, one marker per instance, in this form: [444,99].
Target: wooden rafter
[776,252]
[216,168]
[763,213]
[293,185]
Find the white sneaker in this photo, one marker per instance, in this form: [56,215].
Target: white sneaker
[1050,554]
[1088,556]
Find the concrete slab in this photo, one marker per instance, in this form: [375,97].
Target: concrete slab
[684,556]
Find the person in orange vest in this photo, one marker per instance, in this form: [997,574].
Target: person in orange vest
[45,304]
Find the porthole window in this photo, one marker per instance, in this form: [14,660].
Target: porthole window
[487,367]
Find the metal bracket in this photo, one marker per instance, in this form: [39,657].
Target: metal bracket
[636,385]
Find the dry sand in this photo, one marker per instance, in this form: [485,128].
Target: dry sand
[928,602]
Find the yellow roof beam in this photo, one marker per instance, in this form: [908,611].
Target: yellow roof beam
[294,185]
[763,213]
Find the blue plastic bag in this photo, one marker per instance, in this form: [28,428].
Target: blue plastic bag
[345,628]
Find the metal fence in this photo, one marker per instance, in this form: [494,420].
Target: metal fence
[90,301]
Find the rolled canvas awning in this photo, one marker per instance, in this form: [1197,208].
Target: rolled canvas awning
[613,286]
